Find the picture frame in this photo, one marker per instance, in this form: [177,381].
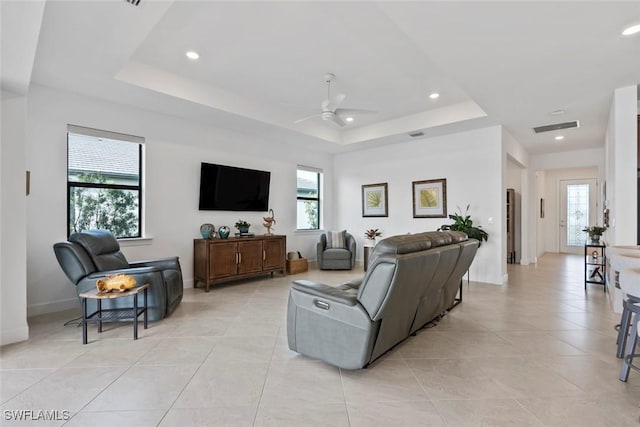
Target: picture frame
[430,198]
[375,200]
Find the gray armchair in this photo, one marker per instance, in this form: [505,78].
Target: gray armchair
[91,255]
[336,258]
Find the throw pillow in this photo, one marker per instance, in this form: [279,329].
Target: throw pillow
[337,239]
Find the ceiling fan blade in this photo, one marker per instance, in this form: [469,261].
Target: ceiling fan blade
[339,99]
[305,118]
[350,111]
[337,120]
[332,104]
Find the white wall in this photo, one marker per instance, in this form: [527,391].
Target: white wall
[621,171]
[471,163]
[13,279]
[621,147]
[174,149]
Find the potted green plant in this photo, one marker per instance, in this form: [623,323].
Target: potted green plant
[465,224]
[595,231]
[242,226]
[371,234]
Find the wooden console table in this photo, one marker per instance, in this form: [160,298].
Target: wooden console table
[223,260]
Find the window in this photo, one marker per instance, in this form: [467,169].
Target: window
[308,180]
[104,181]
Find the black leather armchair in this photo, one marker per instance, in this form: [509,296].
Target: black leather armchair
[91,255]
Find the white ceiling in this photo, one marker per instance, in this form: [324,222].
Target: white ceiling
[262,63]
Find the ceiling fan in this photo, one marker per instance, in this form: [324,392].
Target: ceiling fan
[330,110]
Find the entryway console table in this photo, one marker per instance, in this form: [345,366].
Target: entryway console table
[222,260]
[595,264]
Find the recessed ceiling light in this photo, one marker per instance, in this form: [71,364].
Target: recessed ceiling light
[192,55]
[434,95]
[349,119]
[557,112]
[559,138]
[631,30]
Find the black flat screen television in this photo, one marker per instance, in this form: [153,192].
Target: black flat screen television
[228,188]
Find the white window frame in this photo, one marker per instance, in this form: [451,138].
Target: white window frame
[318,199]
[98,133]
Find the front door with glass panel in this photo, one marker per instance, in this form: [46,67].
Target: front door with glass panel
[578,208]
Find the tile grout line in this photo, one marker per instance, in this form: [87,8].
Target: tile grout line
[133,364]
[426,393]
[186,384]
[266,377]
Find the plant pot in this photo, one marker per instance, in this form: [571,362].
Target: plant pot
[243,229]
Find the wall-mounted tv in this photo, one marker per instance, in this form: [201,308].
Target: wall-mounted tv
[228,188]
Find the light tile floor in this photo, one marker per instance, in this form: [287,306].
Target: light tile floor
[537,352]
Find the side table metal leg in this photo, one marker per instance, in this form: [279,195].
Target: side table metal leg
[99,315]
[84,320]
[135,317]
[146,308]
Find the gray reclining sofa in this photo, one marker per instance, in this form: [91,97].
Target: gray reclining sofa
[411,280]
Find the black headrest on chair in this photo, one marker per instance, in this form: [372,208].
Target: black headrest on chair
[73,259]
[102,247]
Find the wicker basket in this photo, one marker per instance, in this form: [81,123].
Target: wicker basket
[295,266]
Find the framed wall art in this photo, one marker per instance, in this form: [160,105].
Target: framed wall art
[430,198]
[374,200]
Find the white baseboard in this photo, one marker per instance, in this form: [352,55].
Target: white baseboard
[52,307]
[505,279]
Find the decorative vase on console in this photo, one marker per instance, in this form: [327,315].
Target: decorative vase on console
[207,231]
[223,232]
